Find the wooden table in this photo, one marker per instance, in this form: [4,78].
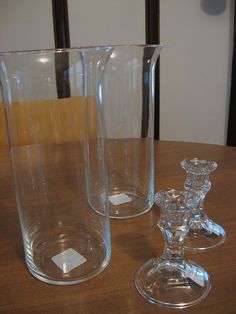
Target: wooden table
[134,241]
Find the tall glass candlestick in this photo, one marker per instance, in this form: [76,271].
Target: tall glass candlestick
[171,280]
[204,233]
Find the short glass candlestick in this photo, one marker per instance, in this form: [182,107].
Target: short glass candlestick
[171,280]
[204,233]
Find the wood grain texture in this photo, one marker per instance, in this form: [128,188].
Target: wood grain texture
[49,121]
[134,241]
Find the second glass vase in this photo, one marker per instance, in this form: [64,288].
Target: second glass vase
[129,85]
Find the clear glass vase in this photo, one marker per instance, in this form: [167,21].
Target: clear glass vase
[204,233]
[171,280]
[52,104]
[129,88]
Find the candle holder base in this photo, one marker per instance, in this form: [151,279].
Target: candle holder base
[204,235]
[176,285]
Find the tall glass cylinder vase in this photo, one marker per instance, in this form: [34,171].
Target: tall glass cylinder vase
[52,104]
[129,87]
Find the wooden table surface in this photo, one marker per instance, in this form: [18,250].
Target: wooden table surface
[134,241]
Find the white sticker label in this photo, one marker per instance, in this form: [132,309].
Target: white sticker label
[119,199]
[68,260]
[192,273]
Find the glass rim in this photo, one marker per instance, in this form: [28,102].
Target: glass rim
[198,166]
[162,199]
[62,50]
[53,50]
[139,45]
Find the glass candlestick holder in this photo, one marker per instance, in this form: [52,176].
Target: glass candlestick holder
[204,233]
[171,280]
